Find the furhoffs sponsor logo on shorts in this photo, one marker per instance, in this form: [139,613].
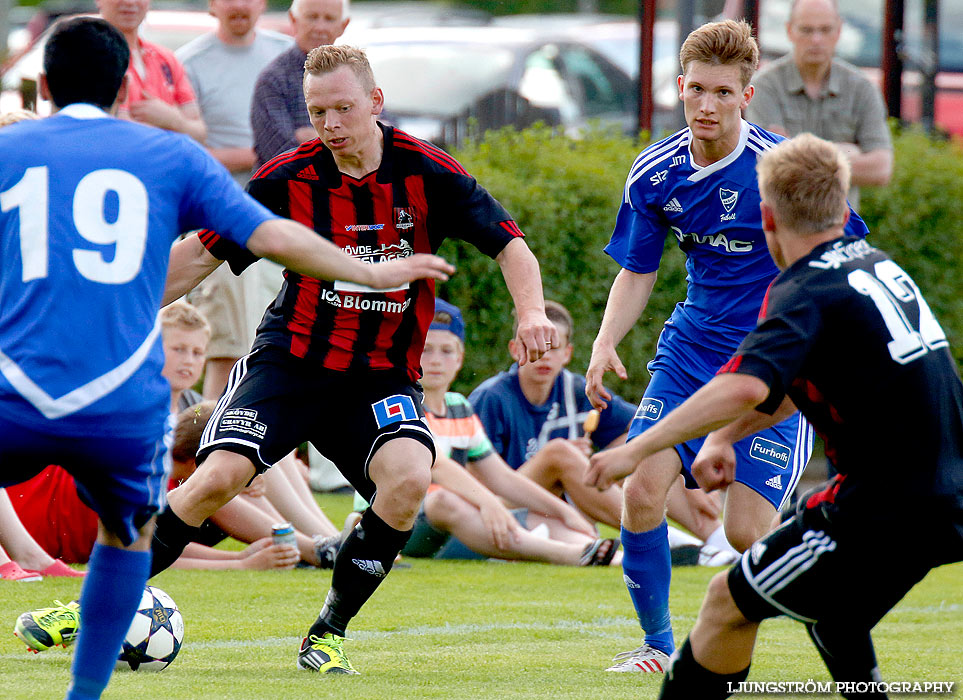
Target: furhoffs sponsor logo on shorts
[770,452]
[650,409]
[394,409]
[243,420]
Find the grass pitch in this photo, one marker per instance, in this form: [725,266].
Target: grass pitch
[457,631]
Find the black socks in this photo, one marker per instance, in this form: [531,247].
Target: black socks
[362,563]
[686,679]
[170,537]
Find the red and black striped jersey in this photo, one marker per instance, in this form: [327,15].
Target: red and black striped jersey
[417,197]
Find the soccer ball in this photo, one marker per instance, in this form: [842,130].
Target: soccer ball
[155,635]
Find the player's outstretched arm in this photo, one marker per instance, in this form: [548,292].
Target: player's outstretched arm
[189,264]
[715,465]
[300,249]
[627,298]
[727,397]
[536,333]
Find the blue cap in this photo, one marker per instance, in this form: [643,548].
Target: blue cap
[457,323]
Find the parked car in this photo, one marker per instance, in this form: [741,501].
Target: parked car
[860,43]
[436,79]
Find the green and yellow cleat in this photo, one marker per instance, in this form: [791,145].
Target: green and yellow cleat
[49,627]
[324,654]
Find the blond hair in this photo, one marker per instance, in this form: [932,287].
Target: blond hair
[805,181]
[328,58]
[180,314]
[16,115]
[725,43]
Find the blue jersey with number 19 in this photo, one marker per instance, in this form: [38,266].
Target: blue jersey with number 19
[714,214]
[89,208]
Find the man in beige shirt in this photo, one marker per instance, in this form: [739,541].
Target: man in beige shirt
[810,90]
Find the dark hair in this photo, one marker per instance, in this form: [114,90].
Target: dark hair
[85,60]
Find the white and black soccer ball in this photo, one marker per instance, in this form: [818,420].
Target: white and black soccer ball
[155,634]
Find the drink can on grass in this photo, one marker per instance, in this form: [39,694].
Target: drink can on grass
[283,533]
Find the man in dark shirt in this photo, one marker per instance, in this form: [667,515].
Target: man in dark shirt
[279,120]
[337,363]
[842,332]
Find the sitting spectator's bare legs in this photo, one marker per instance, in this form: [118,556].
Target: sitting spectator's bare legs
[560,467]
[248,523]
[291,496]
[18,543]
[450,512]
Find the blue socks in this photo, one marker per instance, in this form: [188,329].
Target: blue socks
[110,595]
[647,569]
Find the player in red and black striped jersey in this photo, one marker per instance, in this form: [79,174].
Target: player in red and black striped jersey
[337,363]
[417,197]
[845,336]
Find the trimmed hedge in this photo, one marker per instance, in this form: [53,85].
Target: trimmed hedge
[565,193]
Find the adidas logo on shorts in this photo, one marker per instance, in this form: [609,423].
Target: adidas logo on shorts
[370,567]
[775,482]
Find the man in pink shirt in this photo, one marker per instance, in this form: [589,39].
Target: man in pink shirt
[159,91]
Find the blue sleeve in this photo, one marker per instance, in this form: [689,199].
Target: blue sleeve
[856,226]
[613,421]
[488,408]
[213,200]
[638,239]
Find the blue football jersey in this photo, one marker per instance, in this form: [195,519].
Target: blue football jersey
[89,208]
[713,212]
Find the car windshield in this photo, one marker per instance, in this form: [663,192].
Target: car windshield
[439,79]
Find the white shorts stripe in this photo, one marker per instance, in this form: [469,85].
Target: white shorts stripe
[787,568]
[233,380]
[802,450]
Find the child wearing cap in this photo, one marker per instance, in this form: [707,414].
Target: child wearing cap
[466,512]
[535,417]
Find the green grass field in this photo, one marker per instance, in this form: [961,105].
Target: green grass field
[454,630]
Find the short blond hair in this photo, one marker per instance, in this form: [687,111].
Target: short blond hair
[725,43]
[805,181]
[328,58]
[180,314]
[16,115]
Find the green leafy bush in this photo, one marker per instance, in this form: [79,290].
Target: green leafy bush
[565,193]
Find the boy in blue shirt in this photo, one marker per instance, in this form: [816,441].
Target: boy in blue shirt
[535,417]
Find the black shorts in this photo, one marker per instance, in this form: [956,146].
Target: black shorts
[275,401]
[837,562]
